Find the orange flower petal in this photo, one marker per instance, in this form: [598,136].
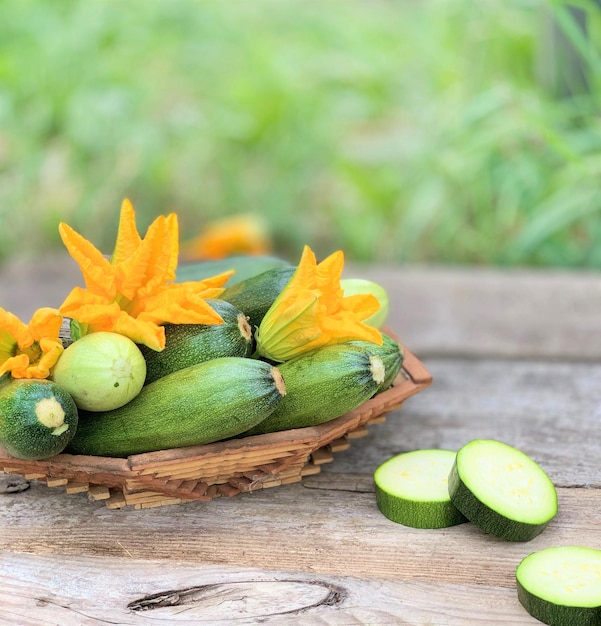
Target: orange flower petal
[362,305]
[239,234]
[79,299]
[154,261]
[136,293]
[45,322]
[128,238]
[51,352]
[17,365]
[180,303]
[139,330]
[20,344]
[11,330]
[311,311]
[97,271]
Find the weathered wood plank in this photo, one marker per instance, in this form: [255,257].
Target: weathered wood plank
[326,530]
[89,591]
[485,311]
[550,410]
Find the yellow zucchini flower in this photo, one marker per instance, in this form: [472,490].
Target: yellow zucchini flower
[312,311]
[133,293]
[240,234]
[30,350]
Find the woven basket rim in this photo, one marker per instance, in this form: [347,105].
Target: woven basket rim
[237,458]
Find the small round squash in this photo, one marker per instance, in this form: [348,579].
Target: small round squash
[102,371]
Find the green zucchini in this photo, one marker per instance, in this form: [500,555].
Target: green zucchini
[38,418]
[254,296]
[412,489]
[392,355]
[323,385]
[189,344]
[561,586]
[200,404]
[243,265]
[502,490]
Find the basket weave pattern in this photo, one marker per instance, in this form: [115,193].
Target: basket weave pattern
[225,468]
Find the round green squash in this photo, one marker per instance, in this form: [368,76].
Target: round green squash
[38,418]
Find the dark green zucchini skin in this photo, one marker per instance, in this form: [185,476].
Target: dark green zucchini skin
[486,518]
[21,432]
[244,267]
[392,354]
[189,344]
[321,386]
[556,614]
[254,296]
[208,402]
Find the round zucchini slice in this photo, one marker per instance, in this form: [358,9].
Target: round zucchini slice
[561,586]
[502,490]
[411,489]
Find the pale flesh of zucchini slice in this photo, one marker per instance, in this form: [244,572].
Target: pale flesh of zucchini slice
[411,489]
[561,586]
[502,490]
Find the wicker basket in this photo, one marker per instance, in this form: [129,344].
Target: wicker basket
[225,468]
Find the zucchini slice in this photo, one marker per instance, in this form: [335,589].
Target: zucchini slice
[412,489]
[502,490]
[561,586]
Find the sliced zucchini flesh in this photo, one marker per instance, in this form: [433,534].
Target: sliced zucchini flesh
[412,489]
[502,490]
[561,585]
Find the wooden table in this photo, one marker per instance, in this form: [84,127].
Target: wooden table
[515,356]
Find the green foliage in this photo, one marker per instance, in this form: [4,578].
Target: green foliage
[397,131]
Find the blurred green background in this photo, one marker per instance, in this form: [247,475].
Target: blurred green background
[398,130]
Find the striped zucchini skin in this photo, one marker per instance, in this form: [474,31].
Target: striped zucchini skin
[200,404]
[323,385]
[523,500]
[190,344]
[559,585]
[487,518]
[411,489]
[38,418]
[426,515]
[555,614]
[254,296]
[392,355]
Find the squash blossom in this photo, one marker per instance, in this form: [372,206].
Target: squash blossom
[239,234]
[312,311]
[133,293]
[30,350]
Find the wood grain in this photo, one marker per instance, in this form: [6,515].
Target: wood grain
[44,590]
[511,313]
[515,356]
[550,410]
[332,531]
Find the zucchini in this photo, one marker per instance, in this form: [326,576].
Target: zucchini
[323,385]
[502,490]
[244,267]
[200,404]
[254,296]
[189,344]
[561,586]
[38,418]
[392,355]
[412,489]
